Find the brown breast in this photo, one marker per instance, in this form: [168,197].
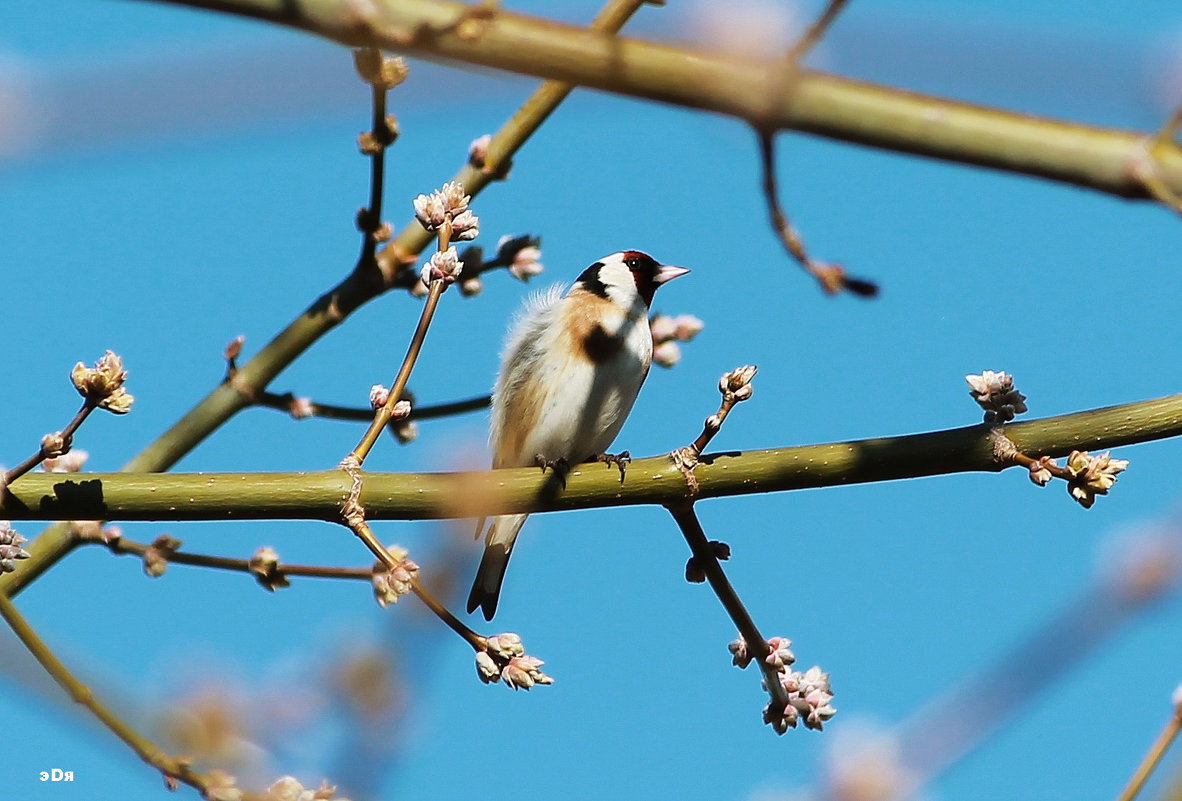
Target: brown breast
[583,329]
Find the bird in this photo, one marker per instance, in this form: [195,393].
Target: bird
[572,366]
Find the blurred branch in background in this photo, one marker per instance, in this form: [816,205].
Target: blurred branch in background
[132,98]
[1135,572]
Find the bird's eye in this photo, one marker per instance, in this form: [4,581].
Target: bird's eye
[633,263]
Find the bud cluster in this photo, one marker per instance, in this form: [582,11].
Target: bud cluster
[809,693]
[10,547]
[264,564]
[506,660]
[736,385]
[390,584]
[383,72]
[158,553]
[444,265]
[1091,475]
[667,331]
[102,385]
[448,204]
[995,393]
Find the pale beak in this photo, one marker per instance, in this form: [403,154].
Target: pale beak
[667,272]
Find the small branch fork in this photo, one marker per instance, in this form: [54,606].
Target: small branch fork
[517,254]
[735,386]
[270,572]
[449,203]
[1144,166]
[101,387]
[706,556]
[1087,476]
[52,445]
[382,74]
[792,694]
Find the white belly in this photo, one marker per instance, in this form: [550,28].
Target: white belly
[583,404]
[586,408]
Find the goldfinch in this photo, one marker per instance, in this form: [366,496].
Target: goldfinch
[572,366]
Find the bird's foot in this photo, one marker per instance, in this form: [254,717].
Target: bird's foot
[560,467]
[621,460]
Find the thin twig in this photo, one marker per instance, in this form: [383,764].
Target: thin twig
[706,559]
[1153,756]
[66,435]
[832,278]
[329,411]
[370,220]
[124,546]
[735,387]
[366,535]
[383,414]
[148,751]
[813,35]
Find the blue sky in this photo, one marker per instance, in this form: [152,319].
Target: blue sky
[197,179]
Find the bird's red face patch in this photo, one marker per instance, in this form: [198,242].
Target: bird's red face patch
[644,269]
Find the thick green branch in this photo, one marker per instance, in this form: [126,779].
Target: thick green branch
[412,496]
[814,102]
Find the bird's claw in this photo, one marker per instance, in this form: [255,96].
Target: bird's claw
[621,460]
[560,467]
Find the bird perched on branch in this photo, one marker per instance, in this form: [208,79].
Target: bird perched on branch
[571,369]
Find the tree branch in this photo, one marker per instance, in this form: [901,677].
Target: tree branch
[655,480]
[706,559]
[1154,756]
[125,546]
[814,102]
[172,767]
[332,411]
